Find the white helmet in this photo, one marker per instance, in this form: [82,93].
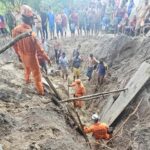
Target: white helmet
[95,116]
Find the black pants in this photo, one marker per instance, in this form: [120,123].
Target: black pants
[45,33]
[59,29]
[57,56]
[43,66]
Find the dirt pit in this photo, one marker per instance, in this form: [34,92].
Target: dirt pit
[28,121]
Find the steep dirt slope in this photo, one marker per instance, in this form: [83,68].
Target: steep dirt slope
[124,56]
[28,120]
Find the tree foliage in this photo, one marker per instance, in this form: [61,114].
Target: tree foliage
[57,5]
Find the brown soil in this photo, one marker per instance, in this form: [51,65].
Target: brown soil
[28,121]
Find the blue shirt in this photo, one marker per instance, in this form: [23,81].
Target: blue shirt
[51,19]
[76,62]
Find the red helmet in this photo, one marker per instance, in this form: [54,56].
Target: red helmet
[26,11]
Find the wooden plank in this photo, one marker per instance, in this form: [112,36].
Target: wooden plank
[107,106]
[89,97]
[134,85]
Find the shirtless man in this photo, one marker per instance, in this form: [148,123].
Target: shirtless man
[92,63]
[59,25]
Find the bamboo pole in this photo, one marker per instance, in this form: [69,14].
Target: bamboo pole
[84,134]
[92,96]
[16,39]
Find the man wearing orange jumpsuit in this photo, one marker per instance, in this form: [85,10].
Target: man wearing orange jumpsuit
[79,91]
[99,130]
[28,48]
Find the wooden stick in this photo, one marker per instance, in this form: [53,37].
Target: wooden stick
[89,97]
[16,39]
[126,120]
[52,86]
[68,90]
[81,125]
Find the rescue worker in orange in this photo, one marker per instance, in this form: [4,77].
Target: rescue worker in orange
[99,130]
[28,48]
[79,91]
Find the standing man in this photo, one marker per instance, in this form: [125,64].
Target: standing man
[51,20]
[44,19]
[101,72]
[76,51]
[10,20]
[63,63]
[28,48]
[79,91]
[92,63]
[59,25]
[38,25]
[2,25]
[64,23]
[76,66]
[73,22]
[57,49]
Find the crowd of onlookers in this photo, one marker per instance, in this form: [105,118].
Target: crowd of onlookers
[111,16]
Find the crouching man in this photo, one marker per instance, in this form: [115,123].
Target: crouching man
[99,130]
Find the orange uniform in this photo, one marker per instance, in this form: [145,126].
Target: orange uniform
[99,131]
[27,49]
[79,91]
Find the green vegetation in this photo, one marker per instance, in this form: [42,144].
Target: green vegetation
[2,8]
[57,5]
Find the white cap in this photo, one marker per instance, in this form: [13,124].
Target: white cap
[95,116]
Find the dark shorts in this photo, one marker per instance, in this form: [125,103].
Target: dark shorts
[59,28]
[81,26]
[52,28]
[72,28]
[89,72]
[88,27]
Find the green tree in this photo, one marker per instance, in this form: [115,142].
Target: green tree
[57,5]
